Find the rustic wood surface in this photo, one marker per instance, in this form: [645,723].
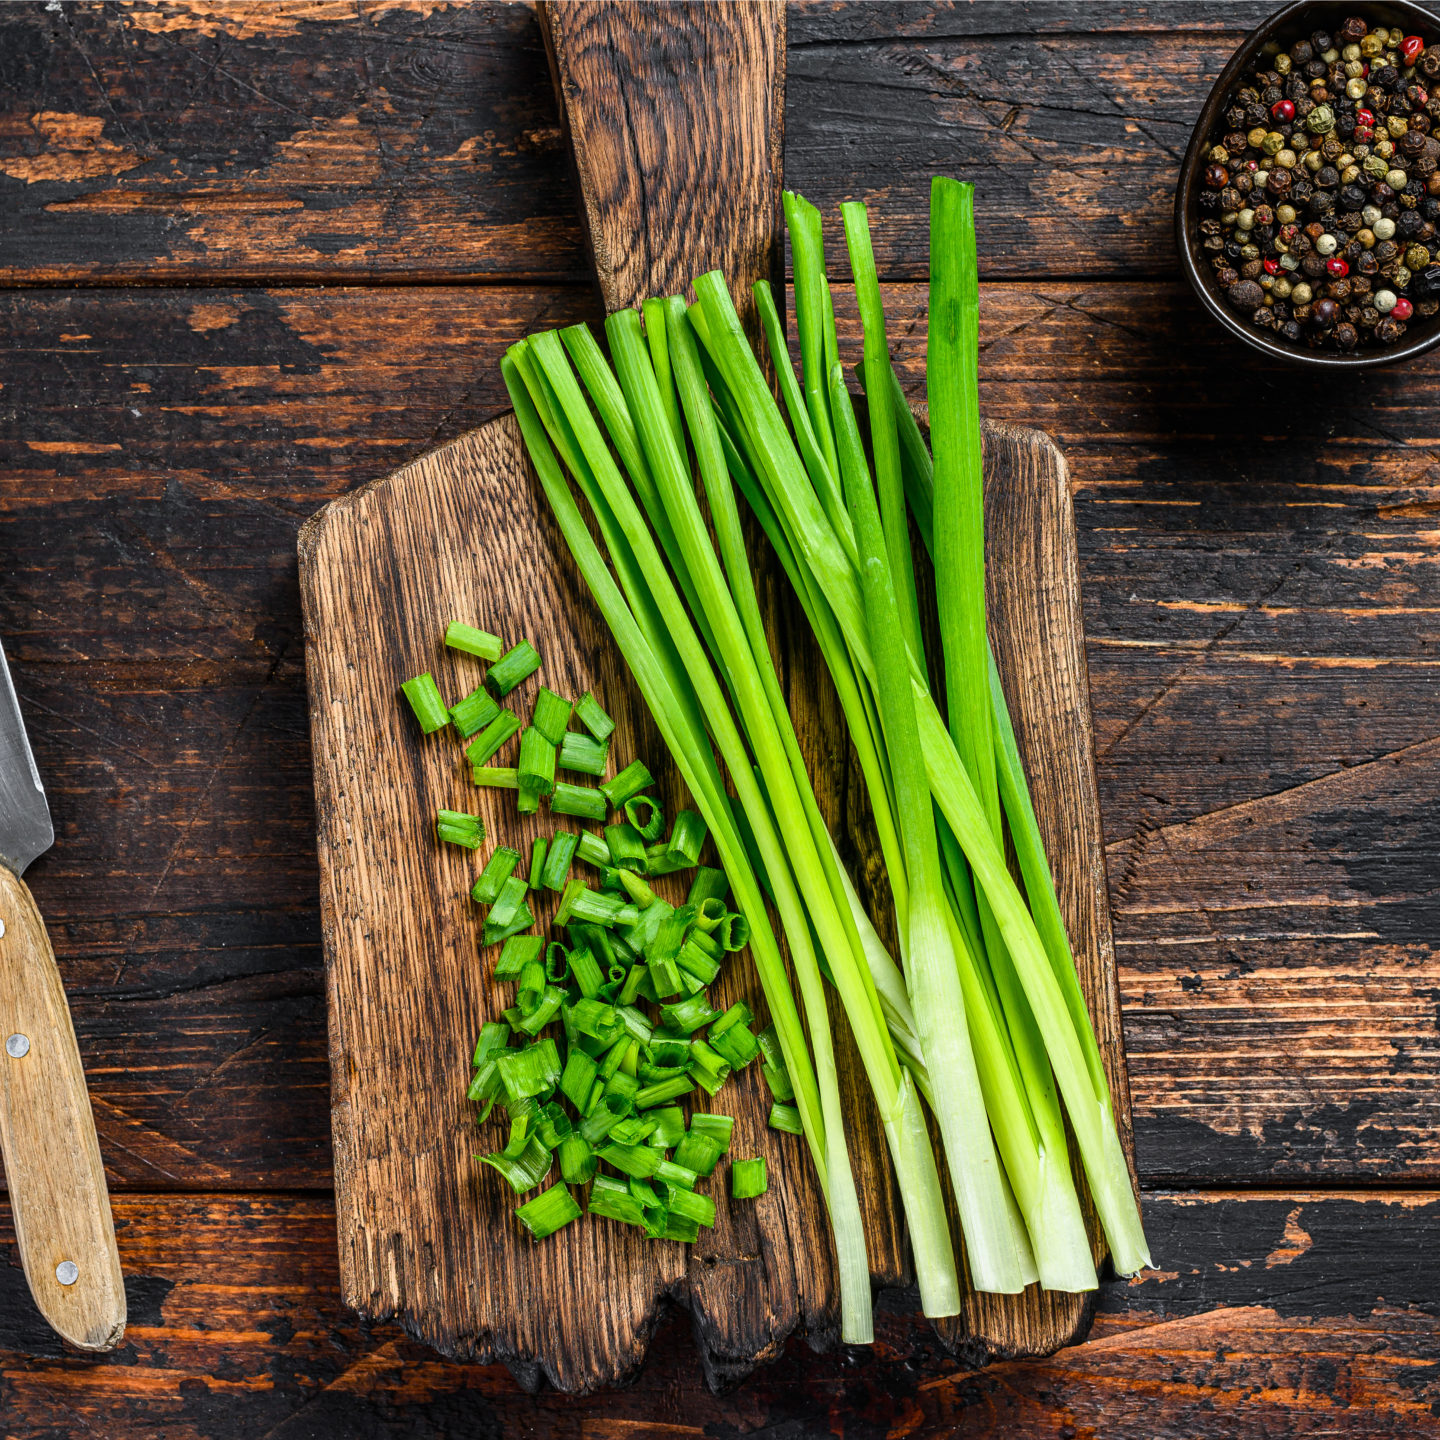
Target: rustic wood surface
[1257,562]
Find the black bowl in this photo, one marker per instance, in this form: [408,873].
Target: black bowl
[1282,29]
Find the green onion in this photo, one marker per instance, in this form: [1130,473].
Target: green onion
[720,1127]
[497,777]
[525,1171]
[662,1091]
[459,828]
[551,715]
[785,1117]
[537,762]
[626,847]
[645,815]
[498,869]
[516,664]
[557,963]
[593,850]
[492,933]
[687,838]
[527,802]
[508,901]
[557,861]
[424,696]
[699,1151]
[472,641]
[492,737]
[583,754]
[473,713]
[592,717]
[629,782]
[612,1199]
[690,1205]
[708,884]
[748,1178]
[669,1131]
[537,861]
[578,800]
[577,1160]
[519,951]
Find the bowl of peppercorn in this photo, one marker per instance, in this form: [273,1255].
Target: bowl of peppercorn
[1308,211]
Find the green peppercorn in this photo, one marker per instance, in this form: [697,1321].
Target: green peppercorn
[1321,120]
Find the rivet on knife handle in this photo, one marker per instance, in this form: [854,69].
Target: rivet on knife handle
[53,1171]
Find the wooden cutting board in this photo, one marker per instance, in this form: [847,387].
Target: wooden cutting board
[675,114]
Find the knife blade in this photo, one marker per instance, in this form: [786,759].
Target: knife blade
[53,1172]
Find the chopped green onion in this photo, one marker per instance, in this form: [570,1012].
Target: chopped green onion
[592,717]
[748,1178]
[551,1210]
[699,1151]
[516,664]
[497,777]
[579,901]
[627,848]
[645,816]
[659,860]
[691,1205]
[458,828]
[687,838]
[663,1091]
[493,1037]
[537,861]
[480,643]
[680,1227]
[641,1161]
[669,1130]
[548,1006]
[736,1044]
[612,1199]
[583,753]
[551,715]
[492,932]
[629,782]
[492,737]
[535,1070]
[519,951]
[733,932]
[585,972]
[689,1015]
[710,1069]
[424,696]
[557,963]
[557,862]
[785,1117]
[498,869]
[593,850]
[527,802]
[708,884]
[508,901]
[578,800]
[578,1077]
[695,961]
[537,762]
[525,1171]
[720,1127]
[577,1160]
[473,713]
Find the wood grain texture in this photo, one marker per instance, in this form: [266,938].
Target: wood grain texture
[675,117]
[382,572]
[170,142]
[53,1173]
[1275,1313]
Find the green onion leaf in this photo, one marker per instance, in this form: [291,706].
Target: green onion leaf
[592,717]
[583,754]
[748,1178]
[472,641]
[473,713]
[579,800]
[629,782]
[785,1117]
[645,816]
[516,664]
[551,714]
[424,696]
[498,869]
[497,777]
[491,738]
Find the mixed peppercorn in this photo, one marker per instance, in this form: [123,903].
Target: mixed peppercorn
[1320,199]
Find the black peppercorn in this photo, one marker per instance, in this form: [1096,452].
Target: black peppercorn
[1389,330]
[1251,270]
[1384,250]
[1301,51]
[1380,192]
[1426,285]
[1339,289]
[1235,117]
[1320,41]
[1244,182]
[1279,182]
[1292,332]
[1245,295]
[1301,190]
[1324,313]
[1313,265]
[1262,319]
[1345,336]
[1365,262]
[1369,317]
[1353,31]
[1386,76]
[1352,197]
[1225,277]
[1429,64]
[1217,177]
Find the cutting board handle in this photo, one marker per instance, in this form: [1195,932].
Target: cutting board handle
[58,1196]
[675,116]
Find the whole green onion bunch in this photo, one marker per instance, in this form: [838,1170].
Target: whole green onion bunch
[983,1016]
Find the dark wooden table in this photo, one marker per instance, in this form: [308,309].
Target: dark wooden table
[254,255]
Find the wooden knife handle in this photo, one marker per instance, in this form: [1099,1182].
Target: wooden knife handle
[53,1172]
[675,116]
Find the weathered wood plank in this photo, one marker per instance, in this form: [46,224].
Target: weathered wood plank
[1272,1314]
[1259,601]
[221,143]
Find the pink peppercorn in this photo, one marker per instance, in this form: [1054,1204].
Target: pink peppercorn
[1283,109]
[1410,48]
[1403,309]
[1337,267]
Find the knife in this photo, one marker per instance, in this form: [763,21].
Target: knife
[58,1197]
